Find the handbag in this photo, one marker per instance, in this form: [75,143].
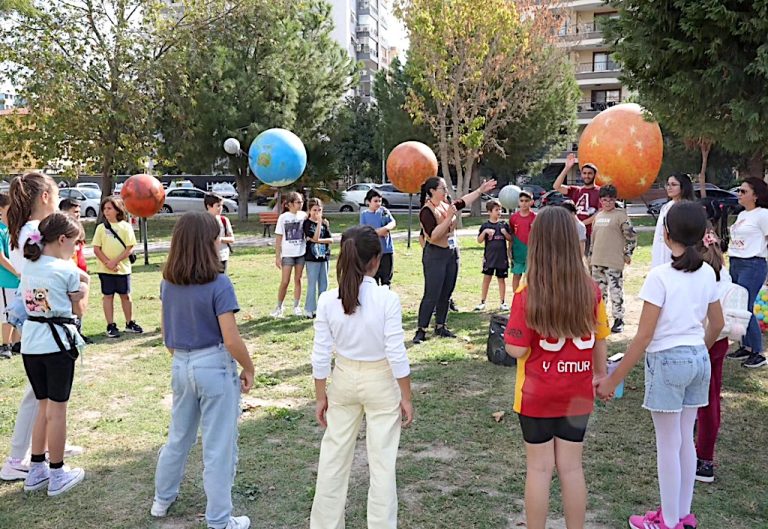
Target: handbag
[107,225]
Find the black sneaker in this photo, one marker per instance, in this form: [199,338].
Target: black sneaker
[618,326]
[420,336]
[740,354]
[452,306]
[705,471]
[5,352]
[754,361]
[112,331]
[16,348]
[133,327]
[443,332]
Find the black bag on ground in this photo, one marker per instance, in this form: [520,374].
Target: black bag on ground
[495,350]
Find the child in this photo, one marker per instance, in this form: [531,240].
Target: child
[613,241]
[381,220]
[200,331]
[214,204]
[50,345]
[581,229]
[290,248]
[9,280]
[113,244]
[677,297]
[72,208]
[362,322]
[557,330]
[318,233]
[495,235]
[521,222]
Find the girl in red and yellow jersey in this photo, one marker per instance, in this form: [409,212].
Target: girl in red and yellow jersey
[557,329]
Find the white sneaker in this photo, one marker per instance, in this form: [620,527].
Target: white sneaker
[14,469]
[277,313]
[63,480]
[159,509]
[297,311]
[481,306]
[308,314]
[239,522]
[503,306]
[37,478]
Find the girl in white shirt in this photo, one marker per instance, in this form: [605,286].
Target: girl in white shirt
[362,322]
[290,247]
[678,297]
[679,187]
[747,253]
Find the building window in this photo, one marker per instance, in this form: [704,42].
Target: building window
[602,99]
[602,62]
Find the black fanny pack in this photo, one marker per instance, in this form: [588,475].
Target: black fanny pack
[54,322]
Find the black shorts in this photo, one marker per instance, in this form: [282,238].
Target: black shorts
[537,430]
[498,272]
[51,375]
[112,284]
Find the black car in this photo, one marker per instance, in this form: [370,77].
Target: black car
[537,191]
[552,198]
[715,201]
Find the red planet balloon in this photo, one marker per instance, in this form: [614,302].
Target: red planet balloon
[626,149]
[143,195]
[410,164]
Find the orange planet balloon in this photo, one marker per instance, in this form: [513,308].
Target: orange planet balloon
[626,149]
[410,164]
[143,195]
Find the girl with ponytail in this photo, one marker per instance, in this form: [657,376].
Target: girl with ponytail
[678,297]
[362,323]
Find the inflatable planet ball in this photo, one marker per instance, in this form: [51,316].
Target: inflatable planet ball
[277,157]
[509,196]
[626,149]
[143,195]
[409,165]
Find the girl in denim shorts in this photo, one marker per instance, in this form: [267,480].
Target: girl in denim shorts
[678,297]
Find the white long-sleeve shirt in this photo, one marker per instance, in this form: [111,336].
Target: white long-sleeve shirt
[373,332]
[660,252]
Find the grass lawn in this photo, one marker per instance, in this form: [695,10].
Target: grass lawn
[458,468]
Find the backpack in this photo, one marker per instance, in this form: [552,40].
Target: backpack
[496,350]
[735,305]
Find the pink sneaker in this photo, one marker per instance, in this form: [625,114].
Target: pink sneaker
[689,522]
[651,520]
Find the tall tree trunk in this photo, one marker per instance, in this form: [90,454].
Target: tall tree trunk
[243,187]
[445,163]
[706,147]
[462,180]
[474,182]
[107,167]
[756,165]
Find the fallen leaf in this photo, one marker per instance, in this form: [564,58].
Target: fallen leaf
[498,416]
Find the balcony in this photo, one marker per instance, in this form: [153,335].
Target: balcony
[578,5]
[367,8]
[367,53]
[597,73]
[588,109]
[367,31]
[572,32]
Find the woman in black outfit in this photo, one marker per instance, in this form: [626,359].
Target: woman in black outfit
[439,260]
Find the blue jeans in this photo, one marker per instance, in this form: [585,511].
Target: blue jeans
[750,274]
[317,283]
[206,392]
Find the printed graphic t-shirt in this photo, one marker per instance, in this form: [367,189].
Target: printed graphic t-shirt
[554,378]
[317,252]
[495,253]
[748,234]
[291,227]
[587,202]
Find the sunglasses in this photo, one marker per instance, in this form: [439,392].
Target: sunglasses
[741,191]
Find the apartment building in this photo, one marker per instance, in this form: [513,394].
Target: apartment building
[596,73]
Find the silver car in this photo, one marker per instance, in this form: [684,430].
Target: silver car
[183,199]
[392,197]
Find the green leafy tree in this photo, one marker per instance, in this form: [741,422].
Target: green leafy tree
[268,63]
[355,146]
[701,68]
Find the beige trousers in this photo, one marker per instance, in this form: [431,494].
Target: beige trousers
[357,389]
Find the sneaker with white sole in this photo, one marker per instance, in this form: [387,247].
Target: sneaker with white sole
[504,306]
[37,478]
[238,522]
[754,361]
[5,352]
[160,508]
[63,480]
[277,313]
[14,470]
[133,327]
[480,306]
[297,311]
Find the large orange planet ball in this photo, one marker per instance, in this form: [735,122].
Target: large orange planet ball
[410,164]
[626,149]
[143,195]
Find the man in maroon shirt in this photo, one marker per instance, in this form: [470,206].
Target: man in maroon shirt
[586,197]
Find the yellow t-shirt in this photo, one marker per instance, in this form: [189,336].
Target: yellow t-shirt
[112,247]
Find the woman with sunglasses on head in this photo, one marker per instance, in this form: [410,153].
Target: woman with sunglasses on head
[747,253]
[438,219]
[679,187]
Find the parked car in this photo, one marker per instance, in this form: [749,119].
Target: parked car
[357,192]
[187,184]
[537,192]
[392,197]
[715,198]
[183,199]
[88,185]
[118,188]
[89,200]
[333,204]
[224,190]
[552,198]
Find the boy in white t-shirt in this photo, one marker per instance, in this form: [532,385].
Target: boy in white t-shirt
[290,248]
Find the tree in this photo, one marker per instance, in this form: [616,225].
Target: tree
[476,72]
[86,70]
[701,68]
[266,64]
[354,141]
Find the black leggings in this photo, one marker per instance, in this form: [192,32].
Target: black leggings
[441,267]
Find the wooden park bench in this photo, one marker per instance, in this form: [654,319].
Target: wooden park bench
[268,220]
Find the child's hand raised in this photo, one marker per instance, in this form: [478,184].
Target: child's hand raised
[246,381]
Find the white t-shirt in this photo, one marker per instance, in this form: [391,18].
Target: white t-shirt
[291,227]
[684,298]
[748,234]
[660,252]
[17,254]
[225,230]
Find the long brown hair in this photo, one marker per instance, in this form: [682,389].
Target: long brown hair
[193,258]
[359,245]
[23,192]
[51,228]
[119,206]
[561,295]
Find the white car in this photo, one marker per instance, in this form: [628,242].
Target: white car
[88,185]
[183,199]
[89,199]
[357,192]
[225,190]
[187,184]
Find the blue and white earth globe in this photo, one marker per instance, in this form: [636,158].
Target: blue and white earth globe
[277,157]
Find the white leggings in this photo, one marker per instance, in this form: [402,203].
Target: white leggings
[25,421]
[676,461]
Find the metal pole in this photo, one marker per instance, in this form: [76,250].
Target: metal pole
[143,225]
[410,217]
